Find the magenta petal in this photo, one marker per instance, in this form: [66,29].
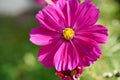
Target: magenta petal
[89,50]
[41,36]
[46,53]
[54,1]
[67,78]
[87,14]
[51,18]
[97,32]
[66,58]
[68,8]
[60,58]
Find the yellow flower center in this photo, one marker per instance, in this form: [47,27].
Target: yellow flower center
[68,33]
[73,72]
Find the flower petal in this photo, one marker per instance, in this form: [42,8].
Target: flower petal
[97,32]
[54,1]
[51,18]
[60,58]
[86,15]
[89,50]
[46,53]
[66,58]
[68,8]
[42,36]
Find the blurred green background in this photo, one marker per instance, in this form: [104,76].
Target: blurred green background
[18,56]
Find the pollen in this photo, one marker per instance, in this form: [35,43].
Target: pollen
[73,72]
[68,33]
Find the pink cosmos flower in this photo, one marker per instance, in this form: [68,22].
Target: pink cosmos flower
[45,1]
[68,34]
[70,75]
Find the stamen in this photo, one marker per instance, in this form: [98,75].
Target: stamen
[73,72]
[68,33]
